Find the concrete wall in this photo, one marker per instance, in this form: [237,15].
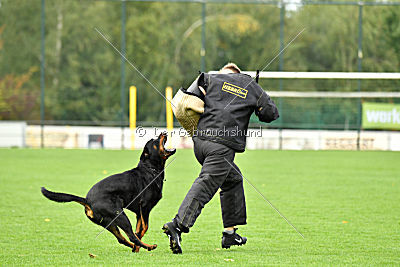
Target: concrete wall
[18,134]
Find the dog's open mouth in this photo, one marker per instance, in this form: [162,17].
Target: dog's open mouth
[165,152]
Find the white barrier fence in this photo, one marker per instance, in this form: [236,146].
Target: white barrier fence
[18,134]
[12,133]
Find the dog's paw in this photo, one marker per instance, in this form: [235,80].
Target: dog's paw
[150,248]
[135,249]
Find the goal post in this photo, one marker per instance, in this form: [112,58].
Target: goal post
[304,102]
[330,94]
[322,75]
[325,75]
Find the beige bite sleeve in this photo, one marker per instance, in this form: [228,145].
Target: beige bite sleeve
[187,109]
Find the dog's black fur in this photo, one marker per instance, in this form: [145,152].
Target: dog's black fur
[106,199]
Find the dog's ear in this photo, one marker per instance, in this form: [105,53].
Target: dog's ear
[145,153]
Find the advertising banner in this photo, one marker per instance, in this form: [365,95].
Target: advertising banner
[380,116]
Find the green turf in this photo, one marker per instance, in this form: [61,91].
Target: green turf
[345,203]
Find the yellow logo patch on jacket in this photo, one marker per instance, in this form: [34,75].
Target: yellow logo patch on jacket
[235,90]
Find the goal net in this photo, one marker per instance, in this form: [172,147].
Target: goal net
[333,100]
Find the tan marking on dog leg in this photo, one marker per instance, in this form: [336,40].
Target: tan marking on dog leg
[89,211]
[121,238]
[146,246]
[138,230]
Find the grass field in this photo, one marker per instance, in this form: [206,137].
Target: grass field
[345,203]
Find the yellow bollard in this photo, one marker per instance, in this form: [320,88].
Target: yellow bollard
[132,114]
[169,115]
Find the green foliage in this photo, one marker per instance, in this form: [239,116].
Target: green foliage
[16,102]
[392,31]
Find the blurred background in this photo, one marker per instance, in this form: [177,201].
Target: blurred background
[57,70]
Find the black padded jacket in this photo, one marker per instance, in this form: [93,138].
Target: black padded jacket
[229,101]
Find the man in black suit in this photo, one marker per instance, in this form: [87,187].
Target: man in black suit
[230,97]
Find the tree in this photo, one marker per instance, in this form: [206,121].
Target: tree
[16,101]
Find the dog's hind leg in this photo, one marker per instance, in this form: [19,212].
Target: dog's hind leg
[121,239]
[123,222]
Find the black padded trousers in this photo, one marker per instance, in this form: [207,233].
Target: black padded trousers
[218,171]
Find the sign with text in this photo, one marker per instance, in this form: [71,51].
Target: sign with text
[380,116]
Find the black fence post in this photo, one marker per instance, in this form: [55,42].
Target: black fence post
[359,56]
[281,46]
[123,52]
[42,69]
[203,37]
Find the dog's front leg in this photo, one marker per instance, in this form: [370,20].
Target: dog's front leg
[142,226]
[123,222]
[139,224]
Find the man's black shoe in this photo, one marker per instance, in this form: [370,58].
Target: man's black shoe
[174,234]
[233,239]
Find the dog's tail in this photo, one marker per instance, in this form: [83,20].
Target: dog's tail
[61,197]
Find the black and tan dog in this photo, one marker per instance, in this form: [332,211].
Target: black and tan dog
[105,201]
